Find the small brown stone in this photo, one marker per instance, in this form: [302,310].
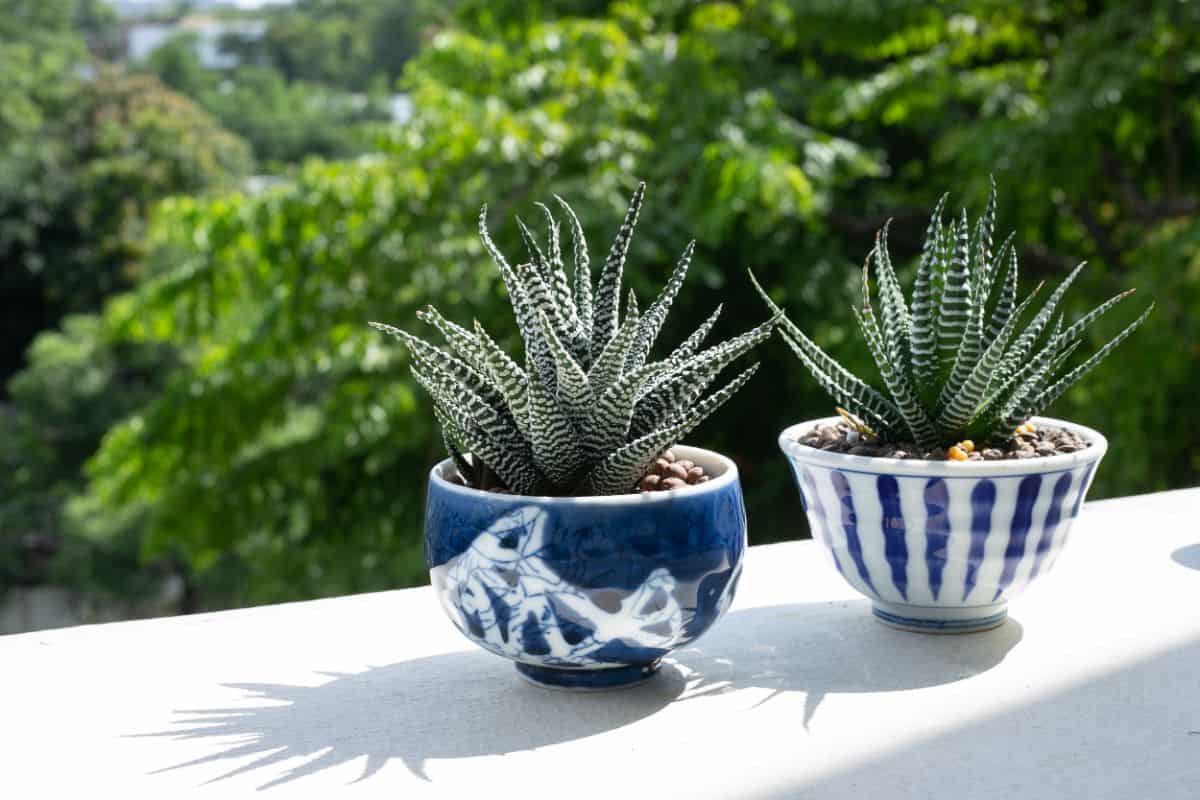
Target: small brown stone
[991,454]
[694,474]
[669,455]
[676,470]
[661,465]
[649,483]
[685,463]
[674,483]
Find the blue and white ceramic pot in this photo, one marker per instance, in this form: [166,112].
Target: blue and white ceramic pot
[941,546]
[586,592]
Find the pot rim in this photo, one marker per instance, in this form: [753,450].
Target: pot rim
[946,469]
[712,461]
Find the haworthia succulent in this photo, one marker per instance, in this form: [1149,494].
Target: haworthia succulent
[608,291]
[582,276]
[958,361]
[590,409]
[926,306]
[621,470]
[651,322]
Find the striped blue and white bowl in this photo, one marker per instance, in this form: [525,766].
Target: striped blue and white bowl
[941,546]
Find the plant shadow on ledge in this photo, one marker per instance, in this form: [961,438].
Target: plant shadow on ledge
[399,713]
[537,545]
[399,710]
[959,368]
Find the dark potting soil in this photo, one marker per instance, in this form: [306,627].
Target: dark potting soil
[1043,441]
[666,473]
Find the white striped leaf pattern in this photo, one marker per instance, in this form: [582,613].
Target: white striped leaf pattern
[952,361]
[565,423]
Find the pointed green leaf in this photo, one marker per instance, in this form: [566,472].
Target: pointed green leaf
[583,277]
[1052,392]
[925,309]
[574,392]
[608,365]
[846,388]
[652,321]
[552,437]
[608,292]
[692,343]
[621,471]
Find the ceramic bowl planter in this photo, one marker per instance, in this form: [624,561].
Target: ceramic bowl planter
[941,546]
[586,592]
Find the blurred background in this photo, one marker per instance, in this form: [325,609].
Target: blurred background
[202,203]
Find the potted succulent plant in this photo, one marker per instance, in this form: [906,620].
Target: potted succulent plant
[943,496]
[568,531]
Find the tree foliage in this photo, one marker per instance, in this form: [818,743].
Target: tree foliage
[85,151]
[282,121]
[286,452]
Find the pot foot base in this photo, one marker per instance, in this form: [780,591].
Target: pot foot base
[922,619]
[587,680]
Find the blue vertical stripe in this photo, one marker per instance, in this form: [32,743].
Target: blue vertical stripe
[895,549]
[1053,515]
[850,525]
[1022,520]
[1083,487]
[818,509]
[937,531]
[983,498]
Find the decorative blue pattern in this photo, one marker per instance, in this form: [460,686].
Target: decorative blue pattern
[1053,514]
[1018,532]
[1083,487]
[895,548]
[850,527]
[983,538]
[983,499]
[937,532]
[941,625]
[821,526]
[585,594]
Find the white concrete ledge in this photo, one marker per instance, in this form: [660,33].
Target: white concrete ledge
[1092,690]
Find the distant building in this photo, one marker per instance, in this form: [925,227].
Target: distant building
[143,38]
[401,107]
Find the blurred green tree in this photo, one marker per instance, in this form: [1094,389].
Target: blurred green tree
[315,482]
[285,455]
[357,45]
[84,151]
[282,121]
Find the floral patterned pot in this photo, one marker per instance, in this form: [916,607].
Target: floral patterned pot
[939,546]
[586,592]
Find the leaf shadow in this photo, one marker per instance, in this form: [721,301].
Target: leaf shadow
[467,704]
[833,648]
[456,705]
[1188,556]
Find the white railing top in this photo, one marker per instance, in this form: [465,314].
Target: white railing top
[1092,690]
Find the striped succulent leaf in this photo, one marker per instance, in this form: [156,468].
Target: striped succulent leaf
[962,360]
[926,302]
[590,410]
[692,343]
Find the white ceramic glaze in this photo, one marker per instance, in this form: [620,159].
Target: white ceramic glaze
[941,546]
